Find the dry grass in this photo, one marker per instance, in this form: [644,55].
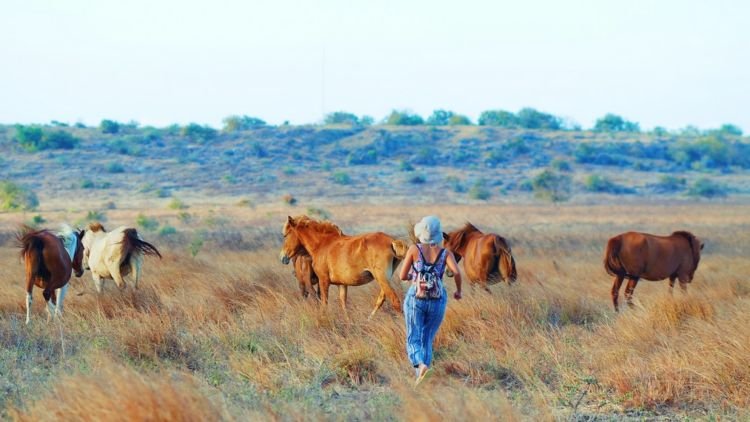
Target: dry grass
[224,335]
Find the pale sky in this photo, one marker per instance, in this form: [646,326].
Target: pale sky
[669,62]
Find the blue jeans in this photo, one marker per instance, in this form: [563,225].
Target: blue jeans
[423,318]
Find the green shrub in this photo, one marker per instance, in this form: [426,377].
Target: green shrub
[16,198]
[115,167]
[561,165]
[707,188]
[445,118]
[146,223]
[668,183]
[530,118]
[196,132]
[597,183]
[177,204]
[33,138]
[416,179]
[405,166]
[614,123]
[403,118]
[455,184]
[341,117]
[551,186]
[341,178]
[196,243]
[478,191]
[498,118]
[167,230]
[109,126]
[37,221]
[236,123]
[87,184]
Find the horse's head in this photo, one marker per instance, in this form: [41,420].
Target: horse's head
[78,255]
[450,243]
[292,245]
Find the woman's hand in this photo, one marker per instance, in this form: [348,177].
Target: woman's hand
[457,295]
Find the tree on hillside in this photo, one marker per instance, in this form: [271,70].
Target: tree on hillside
[341,118]
[109,126]
[730,129]
[195,131]
[440,118]
[34,138]
[614,123]
[459,120]
[403,118]
[551,186]
[530,118]
[235,123]
[498,118]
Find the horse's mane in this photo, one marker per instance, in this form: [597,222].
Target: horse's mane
[692,240]
[304,221]
[460,234]
[96,227]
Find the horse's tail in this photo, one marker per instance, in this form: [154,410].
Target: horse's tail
[132,243]
[612,262]
[32,249]
[506,265]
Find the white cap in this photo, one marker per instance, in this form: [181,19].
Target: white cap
[428,230]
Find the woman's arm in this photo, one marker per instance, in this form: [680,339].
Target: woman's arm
[406,266]
[452,265]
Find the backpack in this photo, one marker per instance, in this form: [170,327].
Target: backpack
[429,278]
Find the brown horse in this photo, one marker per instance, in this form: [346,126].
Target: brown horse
[344,260]
[305,275]
[634,256]
[49,260]
[488,257]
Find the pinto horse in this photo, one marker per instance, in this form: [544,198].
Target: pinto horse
[635,255]
[114,255]
[488,257]
[344,260]
[49,260]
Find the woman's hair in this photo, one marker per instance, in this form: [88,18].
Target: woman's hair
[428,230]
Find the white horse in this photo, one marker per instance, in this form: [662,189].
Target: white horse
[113,255]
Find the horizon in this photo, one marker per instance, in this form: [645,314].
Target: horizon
[673,65]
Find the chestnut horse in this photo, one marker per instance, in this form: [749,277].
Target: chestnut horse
[49,260]
[114,255]
[634,256]
[344,260]
[488,257]
[305,275]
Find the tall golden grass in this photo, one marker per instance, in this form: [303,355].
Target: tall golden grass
[225,335]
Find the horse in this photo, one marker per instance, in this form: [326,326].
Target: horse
[114,255]
[488,255]
[305,275]
[50,259]
[635,255]
[344,260]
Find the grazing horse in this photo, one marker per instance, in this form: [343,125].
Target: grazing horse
[49,259]
[344,260]
[115,254]
[634,256]
[488,257]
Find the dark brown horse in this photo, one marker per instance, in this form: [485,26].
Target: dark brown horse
[487,256]
[49,259]
[634,256]
[344,260]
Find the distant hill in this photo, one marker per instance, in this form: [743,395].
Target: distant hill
[362,163]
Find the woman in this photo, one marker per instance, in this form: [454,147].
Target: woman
[424,305]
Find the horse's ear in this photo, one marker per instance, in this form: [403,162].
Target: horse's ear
[290,220]
[446,237]
[702,245]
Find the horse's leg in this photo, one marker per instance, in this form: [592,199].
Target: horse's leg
[684,280]
[135,269]
[28,302]
[671,283]
[60,298]
[323,283]
[632,282]
[49,294]
[616,291]
[378,303]
[342,298]
[382,280]
[117,276]
[97,282]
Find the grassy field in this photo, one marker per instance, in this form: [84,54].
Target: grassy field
[218,330]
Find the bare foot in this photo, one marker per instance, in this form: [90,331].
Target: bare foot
[423,371]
